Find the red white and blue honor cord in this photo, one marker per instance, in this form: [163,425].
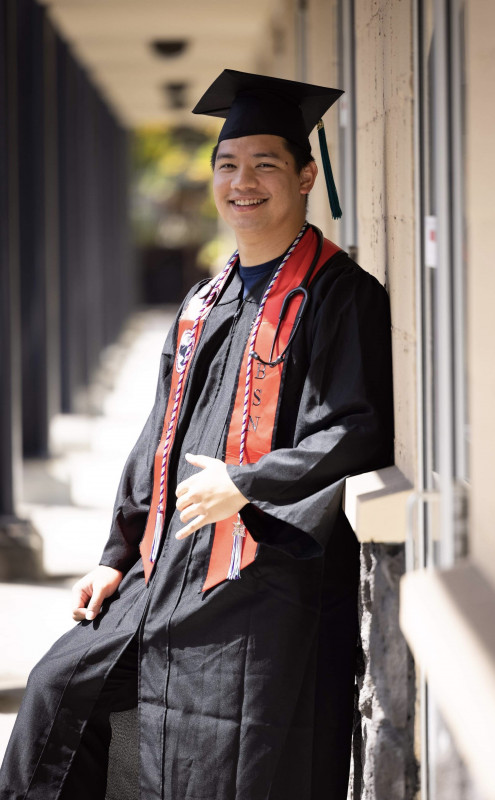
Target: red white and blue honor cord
[239,533]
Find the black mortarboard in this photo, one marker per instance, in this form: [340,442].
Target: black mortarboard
[256,104]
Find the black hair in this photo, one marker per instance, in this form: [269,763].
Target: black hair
[302,156]
[213,157]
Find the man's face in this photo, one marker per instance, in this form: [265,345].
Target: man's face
[256,185]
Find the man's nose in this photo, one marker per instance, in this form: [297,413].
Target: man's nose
[244,177]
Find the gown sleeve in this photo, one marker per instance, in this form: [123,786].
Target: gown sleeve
[344,422]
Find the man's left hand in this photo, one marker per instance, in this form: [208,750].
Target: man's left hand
[207,496]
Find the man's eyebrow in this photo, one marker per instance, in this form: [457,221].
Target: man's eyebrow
[267,155]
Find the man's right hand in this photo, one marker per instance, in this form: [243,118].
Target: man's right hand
[89,593]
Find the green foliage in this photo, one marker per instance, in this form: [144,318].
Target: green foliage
[172,199]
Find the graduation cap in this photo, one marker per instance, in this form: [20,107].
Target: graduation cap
[256,104]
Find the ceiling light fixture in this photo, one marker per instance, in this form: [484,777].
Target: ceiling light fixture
[169,48]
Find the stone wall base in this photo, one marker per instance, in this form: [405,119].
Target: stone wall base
[384,764]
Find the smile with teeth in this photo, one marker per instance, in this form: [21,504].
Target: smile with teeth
[255,202]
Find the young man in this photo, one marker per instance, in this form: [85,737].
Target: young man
[231,573]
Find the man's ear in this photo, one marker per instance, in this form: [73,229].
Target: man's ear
[307,177]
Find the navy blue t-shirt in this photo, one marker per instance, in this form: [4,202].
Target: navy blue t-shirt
[250,276]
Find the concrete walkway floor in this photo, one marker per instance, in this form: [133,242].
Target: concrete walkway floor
[69,498]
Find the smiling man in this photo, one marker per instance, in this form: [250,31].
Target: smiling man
[257,190]
[225,603]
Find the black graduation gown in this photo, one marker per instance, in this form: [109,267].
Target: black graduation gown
[246,689]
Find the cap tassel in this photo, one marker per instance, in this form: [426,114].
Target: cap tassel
[331,188]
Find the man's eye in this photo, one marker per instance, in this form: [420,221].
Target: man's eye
[226,166]
[266,165]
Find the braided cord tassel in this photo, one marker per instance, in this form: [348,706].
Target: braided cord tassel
[239,535]
[239,532]
[205,308]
